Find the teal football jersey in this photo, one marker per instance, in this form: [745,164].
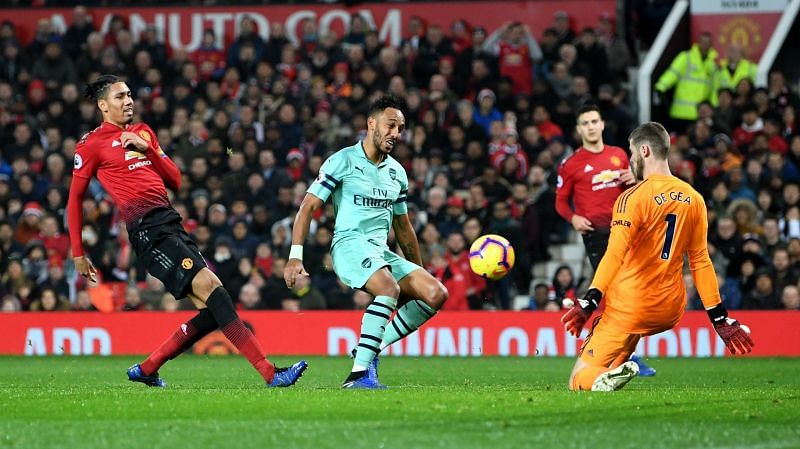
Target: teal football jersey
[366,196]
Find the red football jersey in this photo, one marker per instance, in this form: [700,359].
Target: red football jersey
[591,181]
[516,63]
[127,175]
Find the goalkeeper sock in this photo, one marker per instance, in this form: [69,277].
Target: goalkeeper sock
[583,379]
[188,334]
[408,319]
[373,326]
[221,307]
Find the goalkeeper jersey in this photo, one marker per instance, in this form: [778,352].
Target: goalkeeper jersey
[366,196]
[655,224]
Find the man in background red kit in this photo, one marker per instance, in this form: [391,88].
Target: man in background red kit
[130,165]
[592,179]
[590,182]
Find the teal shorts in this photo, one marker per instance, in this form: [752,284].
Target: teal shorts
[355,260]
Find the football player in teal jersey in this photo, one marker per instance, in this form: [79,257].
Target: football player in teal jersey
[369,190]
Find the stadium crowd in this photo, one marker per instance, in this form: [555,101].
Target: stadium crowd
[489,119]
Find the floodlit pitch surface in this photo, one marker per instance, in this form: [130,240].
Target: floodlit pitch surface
[219,402]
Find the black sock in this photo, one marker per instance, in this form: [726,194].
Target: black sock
[355,375]
[220,306]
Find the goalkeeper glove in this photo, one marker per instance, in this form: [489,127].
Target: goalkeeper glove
[579,314]
[730,331]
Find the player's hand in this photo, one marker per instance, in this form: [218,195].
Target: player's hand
[627,177]
[581,224]
[294,268]
[579,314]
[85,268]
[574,320]
[736,337]
[131,139]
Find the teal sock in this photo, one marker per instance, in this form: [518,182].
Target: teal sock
[408,319]
[373,326]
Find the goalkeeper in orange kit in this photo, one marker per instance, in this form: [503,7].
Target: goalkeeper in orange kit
[654,225]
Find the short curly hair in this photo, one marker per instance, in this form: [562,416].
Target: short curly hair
[386,101]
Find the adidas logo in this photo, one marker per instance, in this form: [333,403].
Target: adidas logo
[588,168]
[116,143]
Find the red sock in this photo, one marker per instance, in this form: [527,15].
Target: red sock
[173,347]
[189,333]
[248,346]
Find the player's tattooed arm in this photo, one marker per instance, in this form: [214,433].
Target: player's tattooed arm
[407,238]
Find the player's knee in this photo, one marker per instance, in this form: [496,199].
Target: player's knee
[389,289]
[438,295]
[204,283]
[570,382]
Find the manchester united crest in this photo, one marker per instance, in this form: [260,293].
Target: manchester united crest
[616,161]
[145,135]
[187,263]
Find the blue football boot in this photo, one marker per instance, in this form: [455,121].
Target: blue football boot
[644,370]
[365,382]
[286,377]
[372,369]
[135,374]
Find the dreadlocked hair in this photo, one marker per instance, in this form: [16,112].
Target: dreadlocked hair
[99,88]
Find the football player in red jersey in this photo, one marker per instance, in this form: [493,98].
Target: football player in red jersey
[592,179]
[130,165]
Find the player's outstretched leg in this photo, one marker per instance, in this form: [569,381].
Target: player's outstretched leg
[644,369]
[221,307]
[188,334]
[413,314]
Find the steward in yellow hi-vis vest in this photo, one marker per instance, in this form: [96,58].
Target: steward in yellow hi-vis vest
[692,73]
[732,71]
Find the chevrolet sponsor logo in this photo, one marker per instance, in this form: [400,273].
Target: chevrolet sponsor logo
[605,176]
[625,223]
[134,155]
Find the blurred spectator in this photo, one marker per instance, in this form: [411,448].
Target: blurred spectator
[275,291]
[83,302]
[309,297]
[516,50]
[486,113]
[592,54]
[791,297]
[133,300]
[563,28]
[152,292]
[539,297]
[10,304]
[249,298]
[77,32]
[763,296]
[49,301]
[617,52]
[562,285]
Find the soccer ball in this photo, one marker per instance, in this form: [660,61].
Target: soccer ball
[491,257]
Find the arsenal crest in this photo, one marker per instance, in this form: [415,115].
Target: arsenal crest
[393,174]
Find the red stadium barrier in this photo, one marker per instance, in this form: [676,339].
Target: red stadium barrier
[335,333]
[182,27]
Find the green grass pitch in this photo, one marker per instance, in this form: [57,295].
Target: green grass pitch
[219,402]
